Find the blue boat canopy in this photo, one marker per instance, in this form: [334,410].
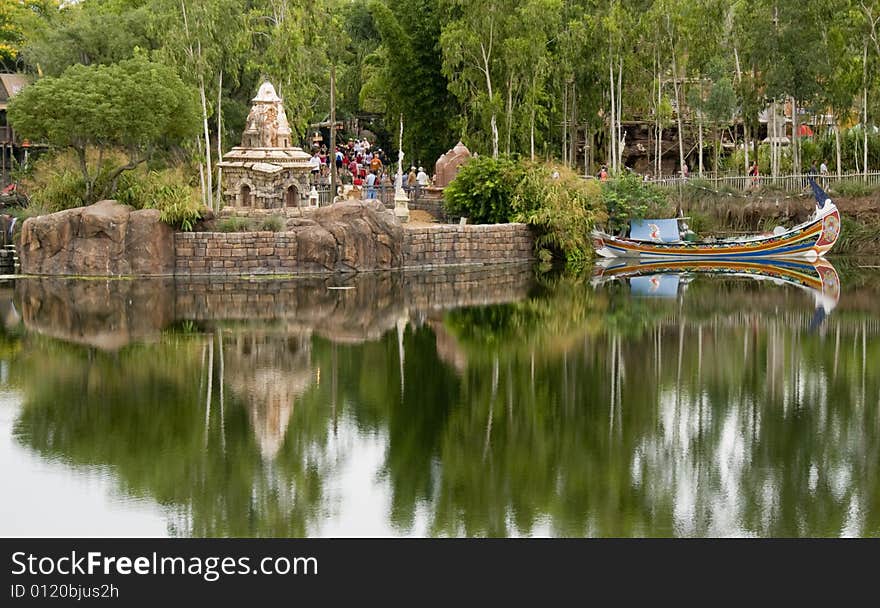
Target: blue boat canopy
[655,231]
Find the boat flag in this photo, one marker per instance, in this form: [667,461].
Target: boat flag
[821,197]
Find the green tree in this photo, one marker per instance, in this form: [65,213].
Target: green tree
[136,105]
[20,21]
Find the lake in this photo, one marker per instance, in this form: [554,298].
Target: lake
[496,401]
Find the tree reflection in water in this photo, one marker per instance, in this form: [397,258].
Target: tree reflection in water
[573,411]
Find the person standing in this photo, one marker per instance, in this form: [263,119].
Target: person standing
[753,173]
[315,166]
[375,164]
[823,173]
[371,184]
[422,178]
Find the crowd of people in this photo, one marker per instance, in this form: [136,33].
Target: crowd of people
[364,166]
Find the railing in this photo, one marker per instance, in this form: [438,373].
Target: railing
[383,193]
[786,183]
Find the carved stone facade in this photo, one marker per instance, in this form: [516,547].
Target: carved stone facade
[447,165]
[266,171]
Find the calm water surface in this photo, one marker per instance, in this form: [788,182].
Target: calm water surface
[487,403]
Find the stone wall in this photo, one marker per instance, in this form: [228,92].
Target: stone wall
[447,244]
[278,253]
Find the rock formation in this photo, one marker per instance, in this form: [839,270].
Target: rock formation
[103,239]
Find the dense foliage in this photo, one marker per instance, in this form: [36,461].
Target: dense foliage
[561,206]
[56,184]
[483,190]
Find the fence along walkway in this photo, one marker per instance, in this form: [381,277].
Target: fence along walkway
[384,194]
[786,183]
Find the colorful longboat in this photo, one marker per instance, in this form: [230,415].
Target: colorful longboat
[660,239]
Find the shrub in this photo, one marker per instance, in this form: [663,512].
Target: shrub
[234,224]
[273,223]
[563,209]
[483,190]
[56,184]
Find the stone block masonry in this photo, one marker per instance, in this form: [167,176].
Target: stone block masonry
[282,253]
[445,245]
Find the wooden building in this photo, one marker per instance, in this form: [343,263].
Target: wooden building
[10,147]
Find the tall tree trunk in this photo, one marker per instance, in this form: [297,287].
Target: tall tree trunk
[659,172]
[487,71]
[795,139]
[532,118]
[572,156]
[717,160]
[565,123]
[746,143]
[532,134]
[208,169]
[220,140]
[612,132]
[675,84]
[865,113]
[619,113]
[205,200]
[837,148]
[509,114]
[700,142]
[774,144]
[739,79]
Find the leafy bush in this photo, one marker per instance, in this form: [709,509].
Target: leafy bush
[56,184]
[176,201]
[273,223]
[483,190]
[560,205]
[628,197]
[563,209]
[234,224]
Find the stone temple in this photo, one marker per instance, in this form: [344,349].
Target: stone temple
[266,171]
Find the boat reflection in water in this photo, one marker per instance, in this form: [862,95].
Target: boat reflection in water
[666,278]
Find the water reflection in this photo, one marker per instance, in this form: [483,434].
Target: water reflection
[500,404]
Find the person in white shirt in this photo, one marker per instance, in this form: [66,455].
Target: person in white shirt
[315,166]
[371,185]
[422,177]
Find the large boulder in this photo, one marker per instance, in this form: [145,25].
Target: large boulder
[349,236]
[103,239]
